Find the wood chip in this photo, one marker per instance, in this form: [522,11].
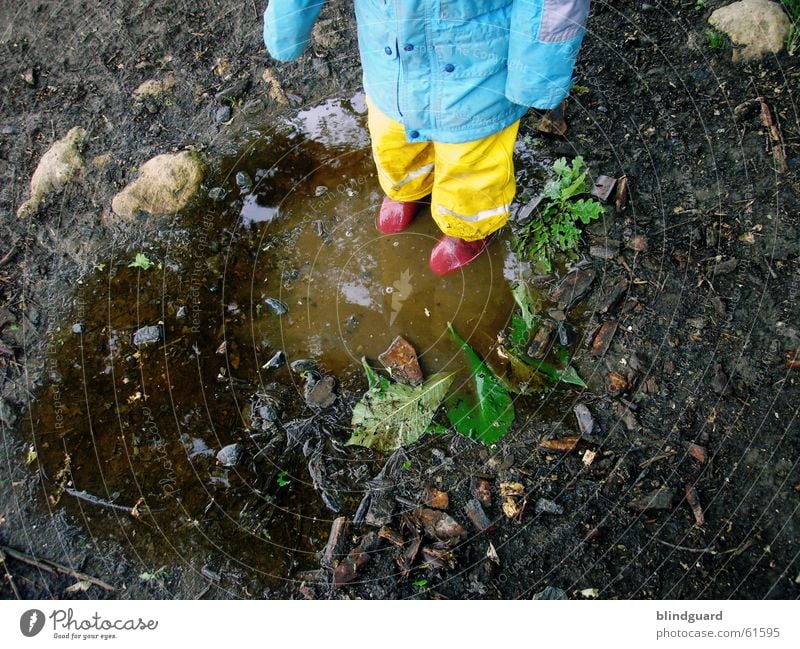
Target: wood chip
[792,360]
[482,491]
[621,200]
[602,340]
[603,187]
[477,516]
[562,445]
[698,452]
[511,489]
[694,502]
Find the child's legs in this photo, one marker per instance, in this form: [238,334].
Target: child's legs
[474,185]
[405,171]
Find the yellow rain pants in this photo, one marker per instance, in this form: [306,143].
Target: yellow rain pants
[472,183]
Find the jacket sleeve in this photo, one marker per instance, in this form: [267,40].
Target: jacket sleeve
[287,26]
[543,45]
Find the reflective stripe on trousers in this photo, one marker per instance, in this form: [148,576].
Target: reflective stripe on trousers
[472,183]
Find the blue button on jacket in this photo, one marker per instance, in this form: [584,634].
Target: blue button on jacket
[474,67]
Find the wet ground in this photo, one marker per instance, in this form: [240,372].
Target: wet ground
[694,390]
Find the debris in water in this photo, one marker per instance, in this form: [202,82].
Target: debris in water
[401,361]
[319,394]
[276,306]
[278,360]
[303,365]
[230,455]
[150,335]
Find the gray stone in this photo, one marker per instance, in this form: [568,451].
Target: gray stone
[230,455]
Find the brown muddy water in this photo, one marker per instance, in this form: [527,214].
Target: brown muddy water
[123,422]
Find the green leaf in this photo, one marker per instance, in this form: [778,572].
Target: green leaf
[567,375]
[586,210]
[391,415]
[527,306]
[519,333]
[487,414]
[141,262]
[515,374]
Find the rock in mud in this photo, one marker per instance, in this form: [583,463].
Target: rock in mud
[217,194]
[540,344]
[223,114]
[760,26]
[7,414]
[154,88]
[550,592]
[146,336]
[303,365]
[610,299]
[78,328]
[585,419]
[60,165]
[546,506]
[474,511]
[230,455]
[319,394]
[244,181]
[603,187]
[358,557]
[436,498]
[165,185]
[439,525]
[401,361]
[659,499]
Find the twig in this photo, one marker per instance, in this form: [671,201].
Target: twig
[53,567]
[10,254]
[737,550]
[9,576]
[94,500]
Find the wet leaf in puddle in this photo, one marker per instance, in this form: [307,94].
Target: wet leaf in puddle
[488,414]
[391,415]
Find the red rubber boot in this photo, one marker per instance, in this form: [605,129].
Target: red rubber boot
[395,216]
[451,253]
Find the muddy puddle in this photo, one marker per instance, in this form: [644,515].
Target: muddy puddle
[154,371]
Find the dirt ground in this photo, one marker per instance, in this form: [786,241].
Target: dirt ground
[694,395]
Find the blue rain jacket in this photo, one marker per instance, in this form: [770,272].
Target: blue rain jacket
[450,70]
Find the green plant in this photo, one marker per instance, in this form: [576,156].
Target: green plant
[716,41]
[792,8]
[699,5]
[557,227]
[141,262]
[283,479]
[420,583]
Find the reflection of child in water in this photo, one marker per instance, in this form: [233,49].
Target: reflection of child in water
[447,82]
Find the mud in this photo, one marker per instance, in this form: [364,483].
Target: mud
[708,244]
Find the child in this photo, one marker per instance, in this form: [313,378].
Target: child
[446,83]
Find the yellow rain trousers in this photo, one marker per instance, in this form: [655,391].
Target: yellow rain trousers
[471,183]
